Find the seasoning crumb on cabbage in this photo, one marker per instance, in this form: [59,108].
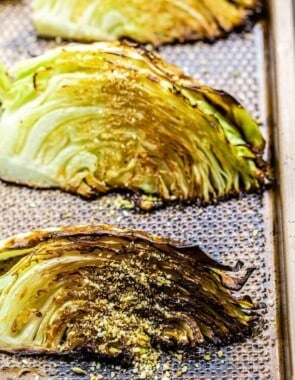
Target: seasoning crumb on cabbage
[156,21]
[116,294]
[91,119]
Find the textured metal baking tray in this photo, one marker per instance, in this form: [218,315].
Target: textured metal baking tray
[243,228]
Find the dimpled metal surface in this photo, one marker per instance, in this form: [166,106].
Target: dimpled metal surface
[231,230]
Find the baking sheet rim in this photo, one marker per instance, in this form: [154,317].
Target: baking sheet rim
[283,99]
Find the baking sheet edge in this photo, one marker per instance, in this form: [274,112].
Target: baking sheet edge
[283,71]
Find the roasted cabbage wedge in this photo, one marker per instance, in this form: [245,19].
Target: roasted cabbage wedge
[115,294]
[94,118]
[156,22]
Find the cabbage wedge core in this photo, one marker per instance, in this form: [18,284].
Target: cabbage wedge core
[156,21]
[115,294]
[111,116]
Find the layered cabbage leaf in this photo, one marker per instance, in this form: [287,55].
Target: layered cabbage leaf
[90,119]
[115,294]
[156,22]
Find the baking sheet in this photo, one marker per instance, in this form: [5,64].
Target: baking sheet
[236,229]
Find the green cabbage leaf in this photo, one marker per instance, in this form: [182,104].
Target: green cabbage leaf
[115,294]
[156,22]
[90,119]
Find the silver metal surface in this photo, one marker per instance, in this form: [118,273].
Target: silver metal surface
[235,229]
[283,73]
